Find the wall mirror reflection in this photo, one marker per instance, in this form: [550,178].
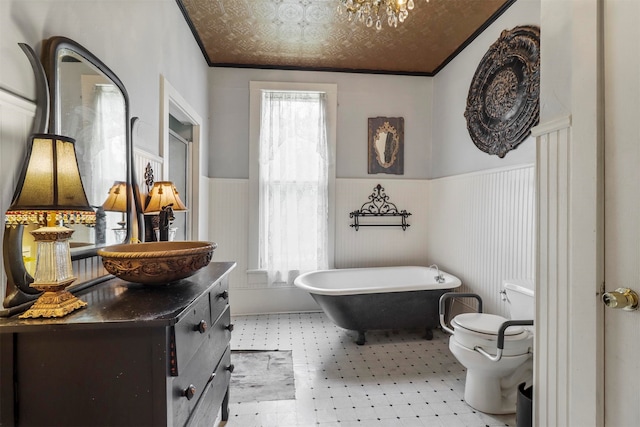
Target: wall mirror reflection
[90,104]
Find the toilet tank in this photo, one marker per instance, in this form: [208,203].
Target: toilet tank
[521,299]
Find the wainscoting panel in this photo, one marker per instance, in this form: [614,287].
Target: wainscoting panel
[141,159]
[552,353]
[481,229]
[478,226]
[16,121]
[370,246]
[228,220]
[381,246]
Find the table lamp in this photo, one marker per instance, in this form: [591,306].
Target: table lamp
[117,202]
[50,193]
[163,199]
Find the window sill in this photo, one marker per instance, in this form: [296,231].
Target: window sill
[257,279]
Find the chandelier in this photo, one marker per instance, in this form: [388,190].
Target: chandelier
[369,12]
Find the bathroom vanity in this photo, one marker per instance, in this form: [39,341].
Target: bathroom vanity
[136,356]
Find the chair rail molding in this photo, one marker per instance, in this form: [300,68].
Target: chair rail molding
[550,126]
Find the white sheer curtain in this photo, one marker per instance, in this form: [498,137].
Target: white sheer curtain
[105,143]
[293,184]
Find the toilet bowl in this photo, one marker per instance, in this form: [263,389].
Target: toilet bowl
[495,365]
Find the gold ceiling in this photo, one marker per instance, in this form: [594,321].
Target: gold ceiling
[310,35]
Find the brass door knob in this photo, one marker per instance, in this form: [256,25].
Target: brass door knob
[623,298]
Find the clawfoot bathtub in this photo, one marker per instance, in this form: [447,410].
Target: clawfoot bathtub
[362,299]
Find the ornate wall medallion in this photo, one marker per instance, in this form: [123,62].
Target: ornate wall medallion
[503,102]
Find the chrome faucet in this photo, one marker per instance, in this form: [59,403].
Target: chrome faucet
[439,278]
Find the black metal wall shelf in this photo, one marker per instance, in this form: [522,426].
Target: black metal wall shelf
[379,206]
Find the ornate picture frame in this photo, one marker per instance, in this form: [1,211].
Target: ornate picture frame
[386,145]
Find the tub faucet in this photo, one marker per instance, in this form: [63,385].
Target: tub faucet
[439,278]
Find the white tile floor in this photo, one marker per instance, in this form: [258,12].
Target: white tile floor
[397,379]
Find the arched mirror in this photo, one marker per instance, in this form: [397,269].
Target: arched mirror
[90,104]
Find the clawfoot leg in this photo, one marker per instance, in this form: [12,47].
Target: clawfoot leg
[428,334]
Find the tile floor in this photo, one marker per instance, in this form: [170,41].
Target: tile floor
[397,379]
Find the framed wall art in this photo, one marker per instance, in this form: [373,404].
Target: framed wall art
[386,145]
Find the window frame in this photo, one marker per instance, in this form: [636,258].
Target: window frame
[258,276]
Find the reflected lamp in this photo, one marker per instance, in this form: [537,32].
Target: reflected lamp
[163,200]
[117,202]
[50,193]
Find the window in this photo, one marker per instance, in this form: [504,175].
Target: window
[293,181]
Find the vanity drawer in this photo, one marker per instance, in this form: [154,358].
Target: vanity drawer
[189,334]
[188,387]
[220,334]
[213,394]
[219,298]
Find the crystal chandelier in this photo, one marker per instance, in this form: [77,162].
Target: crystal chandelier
[369,12]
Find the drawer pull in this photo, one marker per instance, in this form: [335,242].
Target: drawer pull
[224,295]
[230,368]
[230,327]
[189,392]
[201,327]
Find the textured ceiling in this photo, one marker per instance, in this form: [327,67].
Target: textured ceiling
[310,35]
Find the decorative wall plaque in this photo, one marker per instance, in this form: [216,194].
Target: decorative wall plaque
[386,145]
[503,102]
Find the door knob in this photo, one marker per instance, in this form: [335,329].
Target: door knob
[623,298]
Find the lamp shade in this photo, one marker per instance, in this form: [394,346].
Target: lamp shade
[117,198]
[163,193]
[50,181]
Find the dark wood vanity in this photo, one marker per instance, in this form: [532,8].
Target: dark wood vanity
[136,356]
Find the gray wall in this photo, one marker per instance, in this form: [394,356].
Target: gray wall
[437,142]
[360,96]
[453,150]
[138,39]
[132,38]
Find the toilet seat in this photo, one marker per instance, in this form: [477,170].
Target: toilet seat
[481,330]
[484,323]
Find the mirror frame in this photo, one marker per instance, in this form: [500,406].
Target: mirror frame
[19,294]
[51,50]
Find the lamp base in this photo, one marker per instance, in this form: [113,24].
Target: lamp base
[56,302]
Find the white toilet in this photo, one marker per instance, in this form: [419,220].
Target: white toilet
[493,374]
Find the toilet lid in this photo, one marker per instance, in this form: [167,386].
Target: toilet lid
[484,323]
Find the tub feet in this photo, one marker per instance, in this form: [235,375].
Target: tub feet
[428,334]
[361,340]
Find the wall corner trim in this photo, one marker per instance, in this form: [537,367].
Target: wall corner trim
[17,103]
[552,125]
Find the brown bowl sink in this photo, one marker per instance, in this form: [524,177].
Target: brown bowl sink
[156,263]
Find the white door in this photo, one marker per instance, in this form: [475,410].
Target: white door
[622,207]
